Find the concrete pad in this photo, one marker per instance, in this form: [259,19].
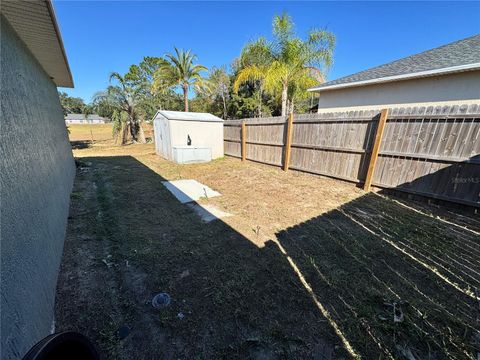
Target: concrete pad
[189,190]
[208,212]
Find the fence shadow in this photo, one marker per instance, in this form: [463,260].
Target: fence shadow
[459,182]
[322,289]
[372,254]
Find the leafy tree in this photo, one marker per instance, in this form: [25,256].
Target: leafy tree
[178,70]
[246,107]
[102,105]
[217,97]
[152,99]
[217,88]
[124,98]
[88,110]
[70,105]
[119,119]
[202,103]
[138,82]
[287,65]
[250,57]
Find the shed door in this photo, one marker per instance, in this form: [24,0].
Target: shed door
[163,138]
[167,149]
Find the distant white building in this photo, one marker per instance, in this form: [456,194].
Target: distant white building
[80,119]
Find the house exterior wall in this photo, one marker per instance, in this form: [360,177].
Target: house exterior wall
[443,89]
[203,134]
[36,177]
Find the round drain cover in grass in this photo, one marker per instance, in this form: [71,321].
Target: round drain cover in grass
[123,332]
[161,300]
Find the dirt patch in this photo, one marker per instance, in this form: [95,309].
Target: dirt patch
[307,267]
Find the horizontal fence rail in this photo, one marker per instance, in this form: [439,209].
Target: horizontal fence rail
[429,151]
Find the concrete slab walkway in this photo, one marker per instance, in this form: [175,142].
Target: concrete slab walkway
[208,212]
[189,190]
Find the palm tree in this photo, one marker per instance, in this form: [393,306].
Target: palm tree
[124,98]
[287,65]
[178,70]
[86,111]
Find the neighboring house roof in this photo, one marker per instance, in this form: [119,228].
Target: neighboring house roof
[35,23]
[188,116]
[82,117]
[459,56]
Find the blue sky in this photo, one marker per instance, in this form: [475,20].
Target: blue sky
[101,37]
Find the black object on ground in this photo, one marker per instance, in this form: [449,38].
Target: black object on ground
[161,300]
[123,332]
[65,345]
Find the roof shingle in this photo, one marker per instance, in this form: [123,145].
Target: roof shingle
[459,53]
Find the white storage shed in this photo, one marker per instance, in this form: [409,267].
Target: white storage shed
[187,137]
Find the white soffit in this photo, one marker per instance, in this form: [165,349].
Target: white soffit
[35,23]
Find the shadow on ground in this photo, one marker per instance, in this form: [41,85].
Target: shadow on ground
[373,256]
[80,144]
[327,288]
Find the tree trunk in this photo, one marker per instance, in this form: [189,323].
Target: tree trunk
[284,99]
[224,106]
[141,134]
[116,137]
[259,99]
[185,96]
[125,131]
[134,131]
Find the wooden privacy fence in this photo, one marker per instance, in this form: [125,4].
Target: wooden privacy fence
[430,151]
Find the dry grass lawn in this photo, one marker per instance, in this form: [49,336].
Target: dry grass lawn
[307,267]
[96,132]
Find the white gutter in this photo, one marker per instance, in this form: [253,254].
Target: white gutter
[419,74]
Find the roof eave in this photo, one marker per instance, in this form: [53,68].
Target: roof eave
[428,73]
[35,24]
[51,10]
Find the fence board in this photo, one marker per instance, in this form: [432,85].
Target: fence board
[446,164]
[232,139]
[431,151]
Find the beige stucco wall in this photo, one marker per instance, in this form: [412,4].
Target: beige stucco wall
[202,133]
[447,89]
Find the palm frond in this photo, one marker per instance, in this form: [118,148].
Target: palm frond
[177,69]
[288,62]
[258,52]
[250,73]
[282,27]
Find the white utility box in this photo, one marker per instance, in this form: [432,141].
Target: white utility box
[191,154]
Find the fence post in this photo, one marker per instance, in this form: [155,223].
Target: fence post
[288,142]
[375,149]
[244,141]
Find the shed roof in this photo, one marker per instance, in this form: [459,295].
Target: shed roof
[82,117]
[459,56]
[188,116]
[35,23]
